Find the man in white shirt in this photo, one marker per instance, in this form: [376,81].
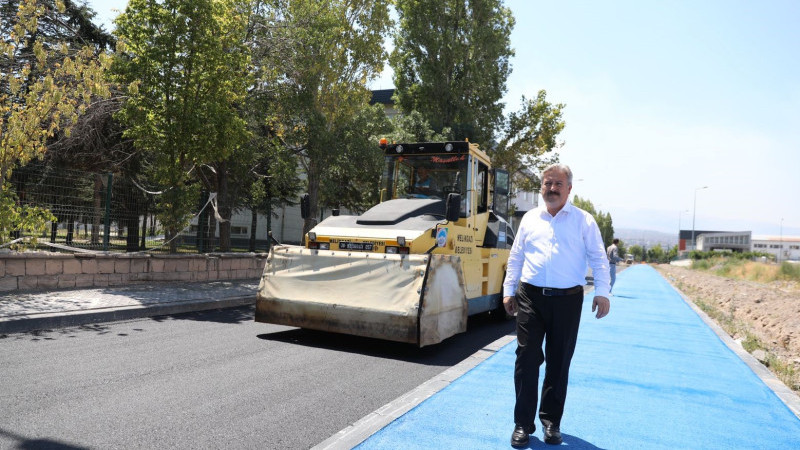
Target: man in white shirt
[544,286]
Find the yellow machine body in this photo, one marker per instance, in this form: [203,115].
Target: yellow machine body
[401,271]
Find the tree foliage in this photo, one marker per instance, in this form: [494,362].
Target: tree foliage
[451,62]
[48,77]
[657,254]
[183,64]
[528,140]
[638,252]
[413,127]
[358,160]
[45,84]
[326,52]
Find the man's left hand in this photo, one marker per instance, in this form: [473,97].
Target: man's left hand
[602,305]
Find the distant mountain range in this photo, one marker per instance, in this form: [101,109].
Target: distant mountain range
[646,238]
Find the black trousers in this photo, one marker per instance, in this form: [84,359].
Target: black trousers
[555,318]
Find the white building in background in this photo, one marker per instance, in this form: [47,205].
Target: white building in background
[785,248]
[737,241]
[523,201]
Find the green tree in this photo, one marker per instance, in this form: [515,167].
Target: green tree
[657,254]
[413,127]
[528,141]
[359,136]
[638,252]
[273,180]
[451,62]
[184,67]
[49,76]
[673,253]
[326,52]
[623,249]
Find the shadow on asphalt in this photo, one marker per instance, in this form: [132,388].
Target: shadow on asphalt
[574,442]
[23,442]
[234,315]
[482,330]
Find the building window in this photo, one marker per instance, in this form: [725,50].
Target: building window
[238,230]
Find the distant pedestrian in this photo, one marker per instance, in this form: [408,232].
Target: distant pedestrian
[612,252]
[544,281]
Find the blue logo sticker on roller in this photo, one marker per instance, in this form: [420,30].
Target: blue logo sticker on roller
[441,237]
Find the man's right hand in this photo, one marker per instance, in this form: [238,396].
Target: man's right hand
[510,304]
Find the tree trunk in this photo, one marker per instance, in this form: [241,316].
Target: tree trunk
[202,224]
[132,237]
[225,208]
[211,232]
[173,243]
[313,199]
[70,229]
[253,224]
[143,245]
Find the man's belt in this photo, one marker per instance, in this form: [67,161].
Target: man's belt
[555,292]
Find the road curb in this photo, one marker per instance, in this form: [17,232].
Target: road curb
[49,321]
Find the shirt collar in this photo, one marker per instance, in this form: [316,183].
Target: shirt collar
[568,207]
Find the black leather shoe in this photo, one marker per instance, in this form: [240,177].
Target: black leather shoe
[521,435]
[552,434]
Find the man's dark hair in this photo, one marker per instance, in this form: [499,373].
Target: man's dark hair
[616,241]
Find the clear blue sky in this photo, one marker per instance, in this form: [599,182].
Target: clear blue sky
[662,98]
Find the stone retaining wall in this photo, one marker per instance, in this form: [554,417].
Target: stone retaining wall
[47,271]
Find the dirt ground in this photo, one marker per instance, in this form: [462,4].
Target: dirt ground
[770,311]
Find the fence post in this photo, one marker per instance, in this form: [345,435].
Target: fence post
[107,224]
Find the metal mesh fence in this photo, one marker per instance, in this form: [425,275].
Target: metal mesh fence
[106,212]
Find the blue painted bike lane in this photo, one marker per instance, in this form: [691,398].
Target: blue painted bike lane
[651,375]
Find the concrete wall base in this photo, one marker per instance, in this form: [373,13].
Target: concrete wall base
[31,271]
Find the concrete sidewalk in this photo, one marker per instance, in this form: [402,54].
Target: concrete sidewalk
[30,311]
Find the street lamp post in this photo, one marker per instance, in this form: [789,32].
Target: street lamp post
[780,250]
[694,213]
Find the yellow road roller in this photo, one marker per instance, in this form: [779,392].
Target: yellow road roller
[413,267]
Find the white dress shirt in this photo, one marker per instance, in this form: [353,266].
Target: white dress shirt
[554,252]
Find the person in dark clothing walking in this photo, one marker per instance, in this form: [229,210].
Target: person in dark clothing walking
[613,258]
